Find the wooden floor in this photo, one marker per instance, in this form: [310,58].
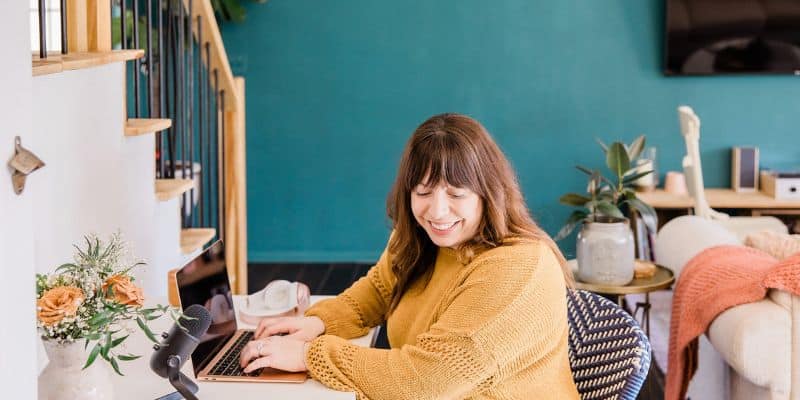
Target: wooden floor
[332,279]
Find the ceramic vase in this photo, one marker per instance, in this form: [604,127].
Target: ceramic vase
[65,379]
[605,251]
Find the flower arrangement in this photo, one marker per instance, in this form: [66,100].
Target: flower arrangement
[610,197]
[92,298]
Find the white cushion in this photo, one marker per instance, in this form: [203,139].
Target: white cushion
[754,339]
[684,237]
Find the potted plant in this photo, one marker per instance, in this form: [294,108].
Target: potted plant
[605,246]
[84,311]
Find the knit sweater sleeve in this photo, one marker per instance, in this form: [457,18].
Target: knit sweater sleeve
[506,309]
[362,306]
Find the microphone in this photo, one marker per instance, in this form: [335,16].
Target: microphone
[176,348]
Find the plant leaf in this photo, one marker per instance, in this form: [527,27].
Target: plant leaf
[574,219]
[636,148]
[585,170]
[146,330]
[574,199]
[606,208]
[92,355]
[128,357]
[632,178]
[602,145]
[617,159]
[116,366]
[647,213]
[118,341]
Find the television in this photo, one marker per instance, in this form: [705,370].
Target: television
[710,37]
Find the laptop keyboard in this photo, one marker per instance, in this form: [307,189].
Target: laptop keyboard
[228,365]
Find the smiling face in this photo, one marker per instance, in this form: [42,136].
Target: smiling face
[450,215]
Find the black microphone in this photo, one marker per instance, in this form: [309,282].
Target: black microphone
[176,348]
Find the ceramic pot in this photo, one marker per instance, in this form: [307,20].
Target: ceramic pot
[606,251]
[65,379]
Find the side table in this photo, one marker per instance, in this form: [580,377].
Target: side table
[662,279]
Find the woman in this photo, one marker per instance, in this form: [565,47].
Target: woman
[472,290]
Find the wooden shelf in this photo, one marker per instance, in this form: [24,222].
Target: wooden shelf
[167,189]
[141,126]
[57,62]
[717,198]
[195,238]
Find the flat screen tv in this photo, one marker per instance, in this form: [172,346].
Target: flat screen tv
[709,37]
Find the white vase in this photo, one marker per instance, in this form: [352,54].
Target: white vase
[65,379]
[605,252]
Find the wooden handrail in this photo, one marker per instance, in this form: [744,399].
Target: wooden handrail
[219,58]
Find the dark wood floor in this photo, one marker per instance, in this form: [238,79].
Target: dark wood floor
[332,279]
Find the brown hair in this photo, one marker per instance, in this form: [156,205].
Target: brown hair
[458,150]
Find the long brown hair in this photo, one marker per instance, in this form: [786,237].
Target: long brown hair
[458,150]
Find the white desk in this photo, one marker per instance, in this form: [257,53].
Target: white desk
[140,382]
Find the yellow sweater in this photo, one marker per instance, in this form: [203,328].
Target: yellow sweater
[495,328]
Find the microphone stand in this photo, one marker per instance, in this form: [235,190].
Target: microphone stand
[184,386]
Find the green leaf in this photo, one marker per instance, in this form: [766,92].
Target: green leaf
[116,366]
[585,170]
[617,159]
[92,355]
[631,178]
[647,213]
[606,208]
[146,330]
[233,10]
[574,199]
[602,145]
[636,148]
[128,357]
[118,341]
[574,220]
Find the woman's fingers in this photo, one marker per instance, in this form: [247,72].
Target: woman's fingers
[253,350]
[262,362]
[266,323]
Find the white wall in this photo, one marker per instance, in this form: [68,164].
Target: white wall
[17,363]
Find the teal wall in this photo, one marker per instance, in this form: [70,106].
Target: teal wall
[334,89]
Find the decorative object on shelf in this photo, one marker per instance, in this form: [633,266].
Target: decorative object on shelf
[605,246]
[647,162]
[744,169]
[675,183]
[278,298]
[83,311]
[23,163]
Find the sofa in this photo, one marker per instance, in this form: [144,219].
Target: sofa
[751,351]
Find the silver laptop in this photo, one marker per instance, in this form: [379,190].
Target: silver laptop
[204,281]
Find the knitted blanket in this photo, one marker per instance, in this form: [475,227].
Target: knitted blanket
[713,281]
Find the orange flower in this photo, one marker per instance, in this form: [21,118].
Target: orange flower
[57,303]
[124,291]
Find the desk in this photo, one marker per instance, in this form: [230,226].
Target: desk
[717,198]
[140,382]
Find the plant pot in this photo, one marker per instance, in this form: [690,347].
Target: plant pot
[65,379]
[606,251]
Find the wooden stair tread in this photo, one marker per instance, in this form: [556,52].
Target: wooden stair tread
[194,238]
[57,62]
[141,126]
[167,189]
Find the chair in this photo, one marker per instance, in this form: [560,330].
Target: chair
[608,352]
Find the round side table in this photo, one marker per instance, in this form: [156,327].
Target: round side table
[662,279]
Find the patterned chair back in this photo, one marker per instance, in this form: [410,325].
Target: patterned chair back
[608,352]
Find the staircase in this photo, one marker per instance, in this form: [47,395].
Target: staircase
[111,165]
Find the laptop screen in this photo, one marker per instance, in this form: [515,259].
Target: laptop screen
[204,281]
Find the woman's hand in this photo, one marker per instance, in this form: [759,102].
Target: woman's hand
[279,352]
[300,328]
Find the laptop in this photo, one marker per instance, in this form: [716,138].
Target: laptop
[204,281]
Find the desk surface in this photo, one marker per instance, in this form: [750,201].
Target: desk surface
[717,198]
[140,382]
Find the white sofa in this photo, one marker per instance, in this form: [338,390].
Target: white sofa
[751,351]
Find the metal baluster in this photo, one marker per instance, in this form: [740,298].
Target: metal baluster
[222,168]
[149,59]
[63,26]
[137,63]
[207,167]
[42,30]
[190,108]
[173,138]
[123,23]
[161,88]
[200,115]
[182,100]
[215,165]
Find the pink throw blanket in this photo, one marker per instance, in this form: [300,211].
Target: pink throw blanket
[712,282]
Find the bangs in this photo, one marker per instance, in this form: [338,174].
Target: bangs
[440,157]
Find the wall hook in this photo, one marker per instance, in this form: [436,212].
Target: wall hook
[23,163]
